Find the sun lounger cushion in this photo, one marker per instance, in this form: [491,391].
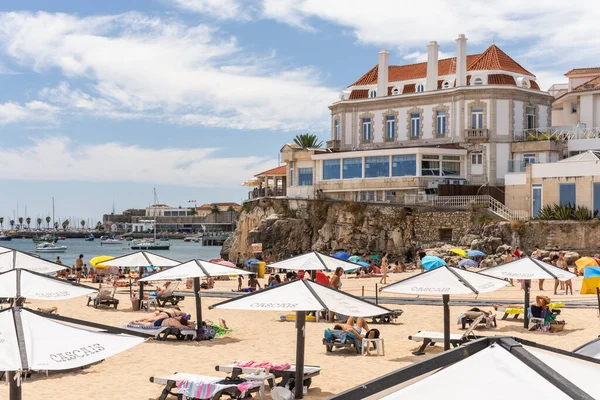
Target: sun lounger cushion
[156,330]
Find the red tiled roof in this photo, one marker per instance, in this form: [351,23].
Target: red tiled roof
[359,94]
[501,79]
[534,85]
[592,84]
[274,171]
[495,59]
[583,71]
[491,59]
[412,88]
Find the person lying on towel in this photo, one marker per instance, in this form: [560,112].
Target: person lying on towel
[176,322]
[358,328]
[159,315]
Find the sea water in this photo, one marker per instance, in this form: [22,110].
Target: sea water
[180,250]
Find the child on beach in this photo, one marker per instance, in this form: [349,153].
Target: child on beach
[253,283]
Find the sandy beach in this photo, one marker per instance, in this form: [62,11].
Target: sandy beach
[260,336]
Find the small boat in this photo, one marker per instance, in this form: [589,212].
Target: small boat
[62,238]
[5,238]
[196,239]
[187,239]
[45,239]
[90,238]
[129,238]
[149,245]
[107,240]
[49,248]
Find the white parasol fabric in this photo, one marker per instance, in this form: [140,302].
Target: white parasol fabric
[314,261]
[32,285]
[530,269]
[446,280]
[14,259]
[141,259]
[303,295]
[484,370]
[195,269]
[51,345]
[4,249]
[590,349]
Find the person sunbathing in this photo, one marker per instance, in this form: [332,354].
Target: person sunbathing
[49,310]
[358,329]
[176,322]
[159,315]
[541,302]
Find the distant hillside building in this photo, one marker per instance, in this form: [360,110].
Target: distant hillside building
[206,209]
[405,129]
[163,210]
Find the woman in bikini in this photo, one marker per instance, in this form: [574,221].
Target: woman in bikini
[358,328]
[160,315]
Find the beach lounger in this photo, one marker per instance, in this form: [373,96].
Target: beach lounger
[105,296]
[169,296]
[431,338]
[339,339]
[468,317]
[163,332]
[284,376]
[387,318]
[515,312]
[210,388]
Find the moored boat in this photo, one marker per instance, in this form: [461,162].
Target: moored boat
[5,238]
[49,248]
[90,238]
[149,245]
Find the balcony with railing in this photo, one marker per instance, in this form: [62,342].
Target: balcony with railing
[333,144]
[558,133]
[477,134]
[258,193]
[519,165]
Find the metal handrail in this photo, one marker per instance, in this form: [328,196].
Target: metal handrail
[464,202]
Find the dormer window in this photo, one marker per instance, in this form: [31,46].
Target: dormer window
[372,93]
[446,85]
[478,81]
[420,88]
[525,84]
[396,90]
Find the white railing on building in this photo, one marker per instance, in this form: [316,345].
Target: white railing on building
[563,133]
[466,202]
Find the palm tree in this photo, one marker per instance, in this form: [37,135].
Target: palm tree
[39,222]
[65,224]
[307,140]
[12,223]
[2,223]
[20,222]
[48,219]
[55,225]
[28,220]
[99,226]
[82,224]
[215,209]
[230,208]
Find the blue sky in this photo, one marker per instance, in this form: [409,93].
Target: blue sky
[100,101]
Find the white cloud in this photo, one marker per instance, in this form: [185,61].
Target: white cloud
[223,9]
[59,159]
[135,65]
[421,56]
[34,112]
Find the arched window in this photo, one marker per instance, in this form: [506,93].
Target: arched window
[525,84]
[396,90]
[446,85]
[372,93]
[478,81]
[420,87]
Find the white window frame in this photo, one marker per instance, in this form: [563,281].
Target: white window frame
[441,122]
[477,81]
[372,93]
[291,173]
[533,116]
[396,90]
[446,85]
[477,158]
[415,124]
[336,130]
[529,158]
[367,123]
[390,127]
[478,112]
[420,88]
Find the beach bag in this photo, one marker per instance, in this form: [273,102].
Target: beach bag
[372,334]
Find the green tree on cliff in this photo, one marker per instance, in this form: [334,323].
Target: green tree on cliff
[307,140]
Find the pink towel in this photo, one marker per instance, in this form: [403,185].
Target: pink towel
[266,365]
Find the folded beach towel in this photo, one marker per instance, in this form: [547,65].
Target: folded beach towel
[268,366]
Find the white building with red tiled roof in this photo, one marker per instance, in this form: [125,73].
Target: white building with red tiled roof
[405,129]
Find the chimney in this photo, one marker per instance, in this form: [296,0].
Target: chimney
[461,60]
[382,73]
[432,66]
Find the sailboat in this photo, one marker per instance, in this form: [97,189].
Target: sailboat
[151,244]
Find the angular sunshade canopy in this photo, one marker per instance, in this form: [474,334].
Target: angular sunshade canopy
[313,261]
[32,285]
[446,280]
[141,259]
[303,295]
[195,269]
[528,268]
[14,259]
[4,249]
[51,345]
[590,349]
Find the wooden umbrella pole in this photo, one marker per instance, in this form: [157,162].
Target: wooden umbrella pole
[15,392]
[299,380]
[446,301]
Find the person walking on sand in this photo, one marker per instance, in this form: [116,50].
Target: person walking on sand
[79,267]
[384,269]
[537,254]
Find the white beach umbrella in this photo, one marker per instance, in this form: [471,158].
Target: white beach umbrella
[195,269]
[590,349]
[14,259]
[528,269]
[4,249]
[303,295]
[30,341]
[445,281]
[22,283]
[141,259]
[314,261]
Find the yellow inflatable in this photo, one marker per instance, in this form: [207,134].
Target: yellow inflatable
[96,261]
